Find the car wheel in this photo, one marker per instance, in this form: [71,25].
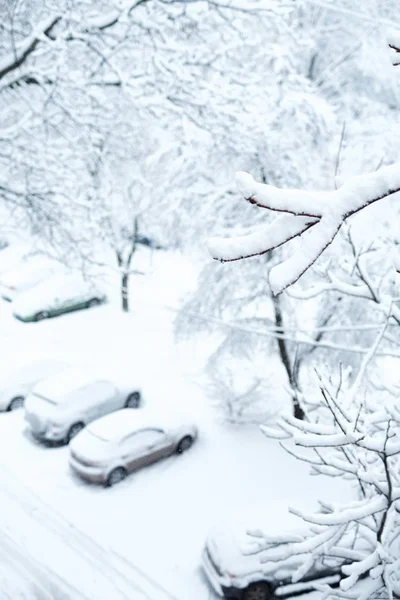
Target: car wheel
[41,315]
[133,400]
[116,476]
[16,402]
[258,591]
[184,444]
[73,431]
[93,302]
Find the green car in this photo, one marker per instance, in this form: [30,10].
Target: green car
[58,295]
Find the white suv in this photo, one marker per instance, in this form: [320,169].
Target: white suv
[60,406]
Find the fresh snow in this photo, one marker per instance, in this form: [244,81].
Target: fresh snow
[149,530]
[12,57]
[49,292]
[315,216]
[60,386]
[116,425]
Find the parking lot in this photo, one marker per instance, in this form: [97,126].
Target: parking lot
[158,518]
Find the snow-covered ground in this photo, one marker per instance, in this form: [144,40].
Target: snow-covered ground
[147,533]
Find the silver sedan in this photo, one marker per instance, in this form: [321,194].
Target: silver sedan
[111,447]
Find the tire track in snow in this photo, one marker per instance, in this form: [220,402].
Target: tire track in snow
[40,519]
[26,566]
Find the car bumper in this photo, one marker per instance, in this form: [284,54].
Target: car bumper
[222,585]
[92,474]
[48,437]
[57,435]
[42,431]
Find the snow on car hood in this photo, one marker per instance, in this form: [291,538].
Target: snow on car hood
[233,551]
[89,447]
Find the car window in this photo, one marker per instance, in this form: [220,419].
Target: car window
[48,400]
[70,292]
[105,389]
[143,439]
[95,392]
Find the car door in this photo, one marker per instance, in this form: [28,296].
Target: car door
[67,298]
[77,295]
[145,447]
[59,301]
[99,399]
[112,398]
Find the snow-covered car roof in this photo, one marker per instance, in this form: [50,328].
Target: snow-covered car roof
[27,271]
[59,386]
[116,425]
[41,368]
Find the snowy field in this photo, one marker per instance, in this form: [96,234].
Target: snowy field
[147,533]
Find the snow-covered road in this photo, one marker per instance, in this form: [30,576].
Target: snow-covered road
[142,539]
[47,551]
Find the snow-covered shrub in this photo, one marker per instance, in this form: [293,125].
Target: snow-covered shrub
[246,388]
[355,433]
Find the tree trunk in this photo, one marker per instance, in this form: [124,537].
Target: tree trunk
[298,412]
[125,292]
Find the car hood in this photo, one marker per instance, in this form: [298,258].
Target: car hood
[225,550]
[235,552]
[91,448]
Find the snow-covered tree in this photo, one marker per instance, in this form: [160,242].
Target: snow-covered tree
[314,216]
[354,433]
[354,437]
[121,211]
[244,387]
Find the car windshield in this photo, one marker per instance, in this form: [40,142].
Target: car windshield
[98,437]
[45,399]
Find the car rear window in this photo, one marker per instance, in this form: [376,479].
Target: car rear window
[45,399]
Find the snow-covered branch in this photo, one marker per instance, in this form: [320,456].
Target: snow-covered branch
[24,49]
[363,286]
[357,440]
[46,29]
[314,216]
[394,44]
